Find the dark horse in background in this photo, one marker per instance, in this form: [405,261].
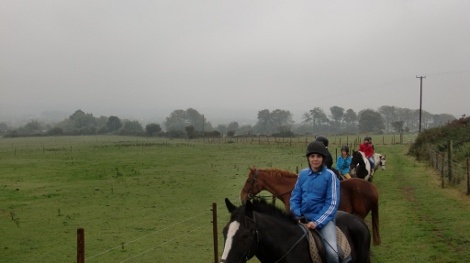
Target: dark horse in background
[360,166]
[274,235]
[357,196]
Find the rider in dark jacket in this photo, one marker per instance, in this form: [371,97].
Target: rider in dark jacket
[328,158]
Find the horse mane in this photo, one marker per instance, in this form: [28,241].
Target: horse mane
[276,172]
[260,205]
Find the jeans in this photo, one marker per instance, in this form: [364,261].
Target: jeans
[329,240]
[372,162]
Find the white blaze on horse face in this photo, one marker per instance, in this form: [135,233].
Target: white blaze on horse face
[232,230]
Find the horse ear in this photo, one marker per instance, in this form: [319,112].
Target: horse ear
[230,207]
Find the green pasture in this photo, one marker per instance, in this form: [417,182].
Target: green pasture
[150,200]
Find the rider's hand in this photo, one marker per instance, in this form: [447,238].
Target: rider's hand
[311,225]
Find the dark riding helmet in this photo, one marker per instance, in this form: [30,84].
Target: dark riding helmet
[322,139]
[316,147]
[345,148]
[367,138]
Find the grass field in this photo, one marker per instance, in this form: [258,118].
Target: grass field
[149,200]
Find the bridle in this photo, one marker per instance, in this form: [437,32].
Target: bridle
[254,182]
[249,253]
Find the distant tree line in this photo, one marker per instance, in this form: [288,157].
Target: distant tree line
[191,124]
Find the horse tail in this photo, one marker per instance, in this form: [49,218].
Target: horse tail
[375,224]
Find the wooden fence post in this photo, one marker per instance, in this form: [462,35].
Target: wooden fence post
[214,231]
[442,168]
[449,160]
[468,180]
[80,245]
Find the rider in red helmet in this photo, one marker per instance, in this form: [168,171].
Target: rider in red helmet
[368,149]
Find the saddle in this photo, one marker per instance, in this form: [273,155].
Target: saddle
[317,248]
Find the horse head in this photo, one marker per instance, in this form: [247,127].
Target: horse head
[252,185]
[383,160]
[240,234]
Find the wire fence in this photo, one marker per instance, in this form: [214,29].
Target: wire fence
[144,247]
[334,140]
[452,173]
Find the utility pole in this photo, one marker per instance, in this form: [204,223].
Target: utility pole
[420,99]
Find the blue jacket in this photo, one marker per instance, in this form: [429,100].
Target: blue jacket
[316,196]
[342,164]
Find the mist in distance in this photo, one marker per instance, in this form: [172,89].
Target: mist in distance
[228,60]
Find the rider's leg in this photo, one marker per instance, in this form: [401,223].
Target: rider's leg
[329,239]
[372,162]
[372,165]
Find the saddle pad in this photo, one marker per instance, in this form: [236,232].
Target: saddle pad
[314,253]
[344,249]
[343,244]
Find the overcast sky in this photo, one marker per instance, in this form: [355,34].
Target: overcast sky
[232,58]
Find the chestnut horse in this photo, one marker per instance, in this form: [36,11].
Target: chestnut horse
[357,196]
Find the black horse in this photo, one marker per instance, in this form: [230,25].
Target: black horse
[360,166]
[273,235]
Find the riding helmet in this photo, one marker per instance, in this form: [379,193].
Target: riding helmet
[316,147]
[345,148]
[322,139]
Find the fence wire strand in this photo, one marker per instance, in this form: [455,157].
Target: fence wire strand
[153,233]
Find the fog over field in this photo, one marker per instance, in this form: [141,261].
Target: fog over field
[231,59]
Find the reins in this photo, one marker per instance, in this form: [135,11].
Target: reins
[293,246]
